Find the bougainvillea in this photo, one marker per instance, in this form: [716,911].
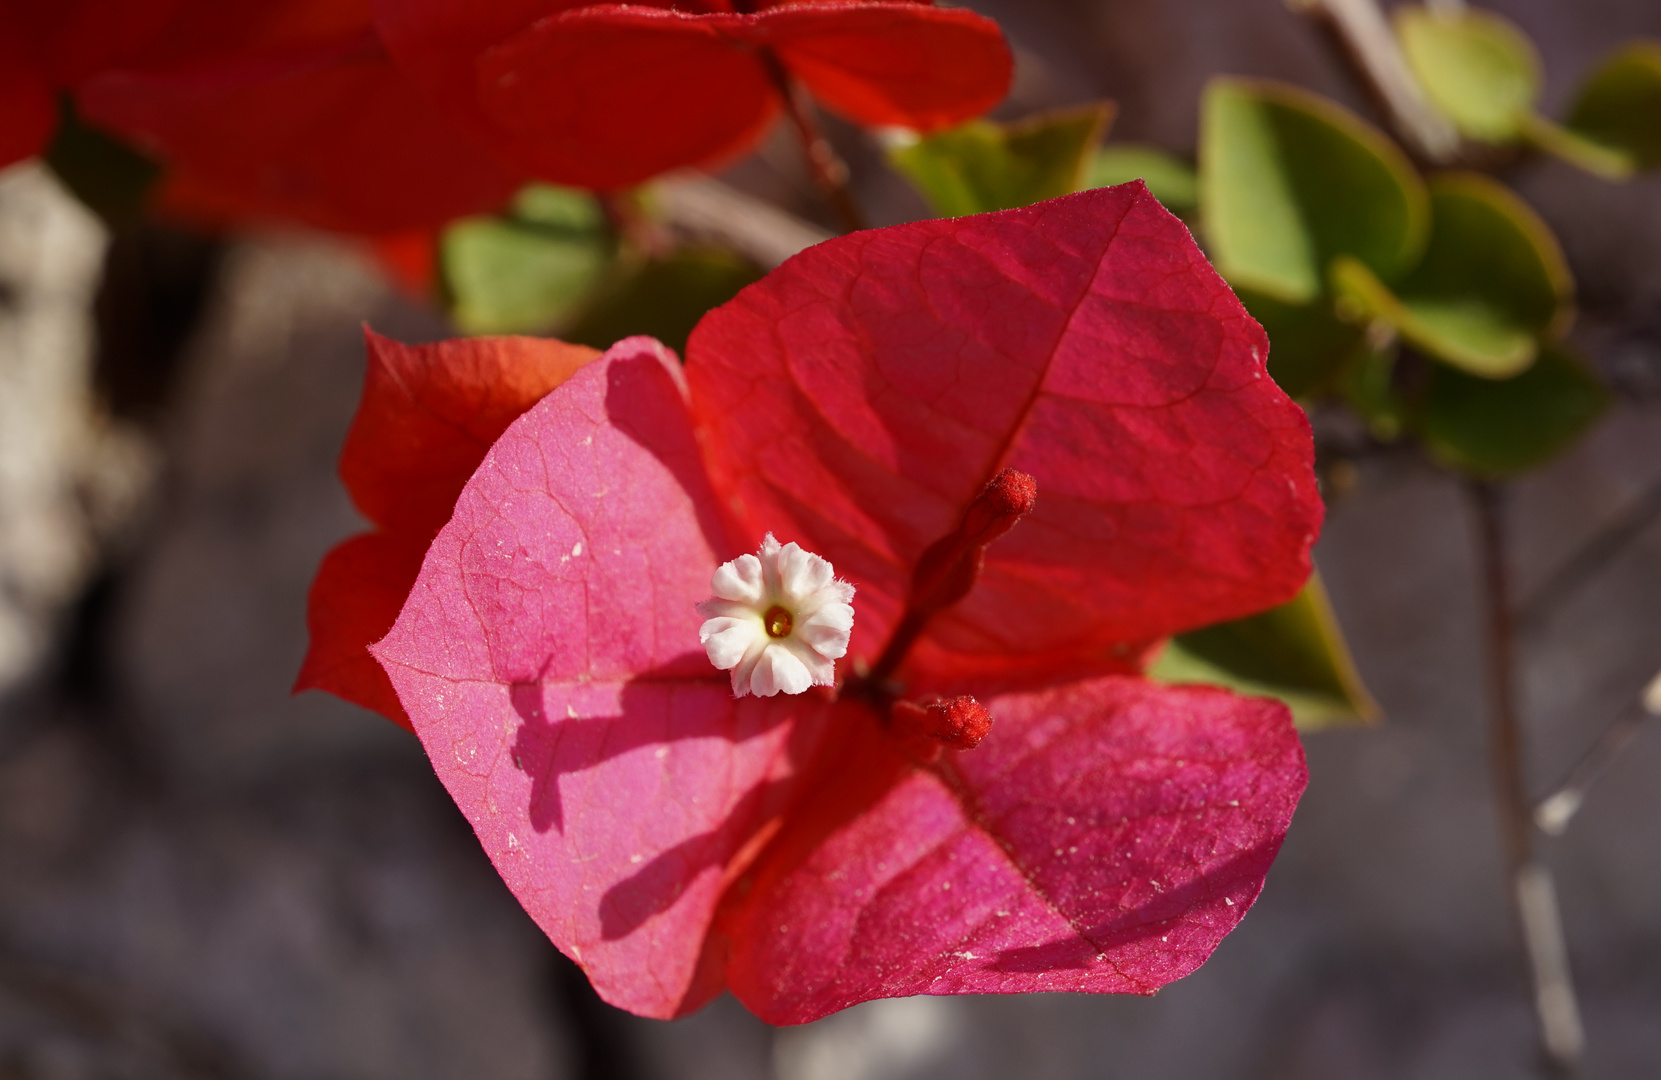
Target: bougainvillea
[265,110]
[427,417]
[51,45]
[608,95]
[291,110]
[1035,441]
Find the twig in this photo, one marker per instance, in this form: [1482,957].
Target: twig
[698,208]
[1553,813]
[1372,48]
[1561,1034]
[829,171]
[1592,556]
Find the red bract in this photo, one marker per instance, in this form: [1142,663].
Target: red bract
[50,45]
[1103,836]
[608,95]
[290,110]
[428,415]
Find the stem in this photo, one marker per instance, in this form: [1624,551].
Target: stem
[1532,893]
[623,211]
[1553,813]
[1372,49]
[829,171]
[1593,556]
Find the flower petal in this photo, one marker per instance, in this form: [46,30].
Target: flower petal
[802,573]
[608,95]
[1104,838]
[739,581]
[891,64]
[728,641]
[429,413]
[333,136]
[827,629]
[886,376]
[780,671]
[27,112]
[354,600]
[608,771]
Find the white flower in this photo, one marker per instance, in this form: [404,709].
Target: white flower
[777,621]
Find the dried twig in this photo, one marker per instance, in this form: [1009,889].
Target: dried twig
[1553,813]
[1372,47]
[698,208]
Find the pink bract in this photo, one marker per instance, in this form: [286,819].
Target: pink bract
[1104,836]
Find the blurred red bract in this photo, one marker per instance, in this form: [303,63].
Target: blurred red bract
[608,95]
[290,110]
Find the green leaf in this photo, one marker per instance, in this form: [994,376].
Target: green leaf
[664,298]
[982,166]
[1290,181]
[505,277]
[1619,107]
[1492,283]
[1171,179]
[566,209]
[110,177]
[1478,68]
[1496,429]
[1577,149]
[527,272]
[1369,385]
[1308,343]
[1294,652]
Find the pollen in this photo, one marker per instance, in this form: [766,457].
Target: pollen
[779,620]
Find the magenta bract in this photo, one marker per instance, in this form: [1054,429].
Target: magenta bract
[1104,836]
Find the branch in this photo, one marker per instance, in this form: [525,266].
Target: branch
[1372,48]
[698,208]
[1535,900]
[1553,813]
[1593,556]
[829,171]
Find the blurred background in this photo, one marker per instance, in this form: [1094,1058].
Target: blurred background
[202,876]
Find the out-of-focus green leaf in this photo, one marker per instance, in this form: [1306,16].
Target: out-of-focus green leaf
[529,271]
[1171,179]
[507,277]
[1495,429]
[1462,332]
[1577,149]
[664,298]
[1492,283]
[106,174]
[1478,68]
[572,210]
[982,166]
[1619,107]
[1368,383]
[1308,343]
[1290,181]
[1294,652]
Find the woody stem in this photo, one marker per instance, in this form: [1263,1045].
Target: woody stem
[1533,896]
[830,172]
